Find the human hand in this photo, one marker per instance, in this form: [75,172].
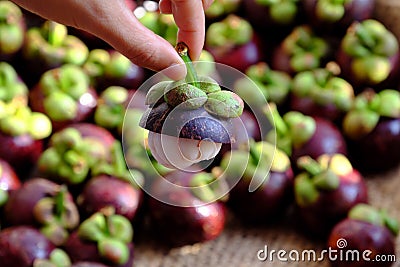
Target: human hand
[113,22]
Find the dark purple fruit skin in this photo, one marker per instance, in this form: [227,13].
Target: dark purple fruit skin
[327,139]
[378,151]
[24,200]
[176,225]
[318,219]
[356,10]
[309,107]
[391,81]
[79,250]
[103,191]
[265,205]
[85,111]
[362,236]
[21,152]
[8,179]
[21,245]
[239,57]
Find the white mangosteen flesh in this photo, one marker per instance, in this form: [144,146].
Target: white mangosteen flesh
[180,153]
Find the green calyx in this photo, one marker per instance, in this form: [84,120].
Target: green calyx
[11,25]
[111,232]
[324,88]
[71,157]
[369,37]
[207,187]
[323,174]
[224,104]
[331,10]
[222,7]
[3,197]
[20,120]
[110,109]
[231,31]
[372,69]
[184,95]
[118,66]
[95,63]
[281,11]
[275,85]
[367,213]
[292,130]
[52,44]
[195,92]
[57,214]
[62,88]
[10,86]
[305,48]
[57,258]
[367,109]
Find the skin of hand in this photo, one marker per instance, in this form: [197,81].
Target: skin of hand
[113,22]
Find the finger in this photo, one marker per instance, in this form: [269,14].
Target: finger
[189,17]
[165,5]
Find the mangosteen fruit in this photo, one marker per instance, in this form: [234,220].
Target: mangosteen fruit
[325,190]
[64,95]
[369,231]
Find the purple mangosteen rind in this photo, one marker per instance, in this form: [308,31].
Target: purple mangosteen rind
[22,245]
[12,25]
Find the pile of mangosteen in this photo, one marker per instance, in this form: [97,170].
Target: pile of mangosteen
[94,157]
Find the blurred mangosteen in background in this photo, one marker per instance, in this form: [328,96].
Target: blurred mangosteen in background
[274,86]
[22,132]
[110,68]
[271,17]
[300,135]
[72,154]
[302,49]
[321,92]
[64,95]
[48,47]
[325,190]
[219,9]
[21,246]
[369,56]
[334,17]
[105,238]
[12,30]
[9,180]
[44,204]
[261,177]
[366,229]
[232,41]
[187,205]
[372,128]
[123,194]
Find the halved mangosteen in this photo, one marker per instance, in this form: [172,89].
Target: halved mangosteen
[190,118]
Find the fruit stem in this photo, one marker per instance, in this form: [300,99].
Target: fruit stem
[59,201]
[310,165]
[276,118]
[191,76]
